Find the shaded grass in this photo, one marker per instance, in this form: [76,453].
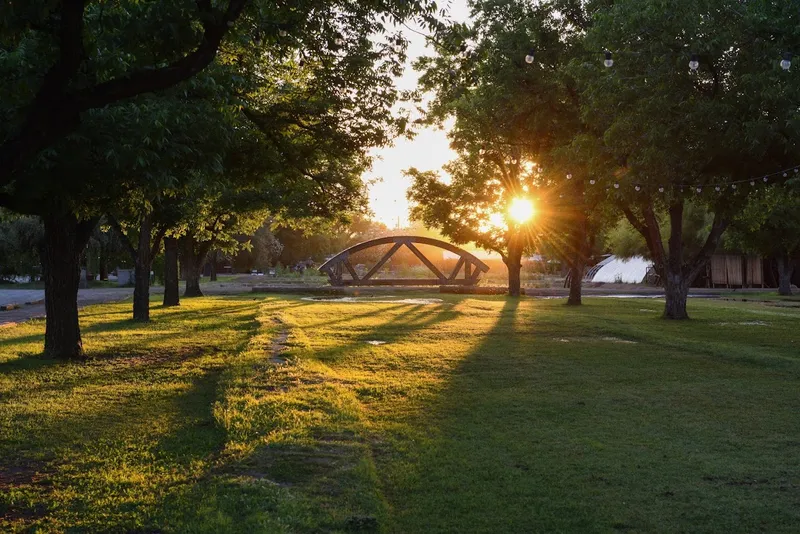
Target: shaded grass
[476,415]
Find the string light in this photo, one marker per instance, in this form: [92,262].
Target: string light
[694,60]
[529,58]
[786,62]
[283,33]
[569,177]
[720,187]
[699,189]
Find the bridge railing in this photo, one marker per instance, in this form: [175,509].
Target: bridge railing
[467,263]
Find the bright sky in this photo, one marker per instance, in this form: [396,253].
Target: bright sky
[429,150]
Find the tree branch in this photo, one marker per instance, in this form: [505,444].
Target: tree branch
[146,81]
[719,225]
[157,241]
[125,240]
[656,242]
[55,112]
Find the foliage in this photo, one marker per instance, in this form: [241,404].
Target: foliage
[728,121]
[63,59]
[184,424]
[770,223]
[625,241]
[514,122]
[662,134]
[20,239]
[317,240]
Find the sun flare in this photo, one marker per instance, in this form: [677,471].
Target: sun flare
[521,210]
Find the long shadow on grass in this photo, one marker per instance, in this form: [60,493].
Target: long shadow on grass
[534,435]
[324,465]
[156,420]
[147,334]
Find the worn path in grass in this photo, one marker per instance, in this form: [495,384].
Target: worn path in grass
[477,414]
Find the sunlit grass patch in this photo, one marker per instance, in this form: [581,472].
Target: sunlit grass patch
[473,414]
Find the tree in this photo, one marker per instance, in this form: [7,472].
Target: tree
[73,68]
[665,133]
[516,110]
[770,226]
[474,208]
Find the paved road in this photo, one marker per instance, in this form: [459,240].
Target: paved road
[87,297]
[25,312]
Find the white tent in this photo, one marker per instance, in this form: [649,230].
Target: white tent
[629,271]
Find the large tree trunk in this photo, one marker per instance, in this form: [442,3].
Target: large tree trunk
[64,240]
[141,291]
[103,266]
[575,282]
[171,289]
[677,276]
[785,269]
[514,264]
[213,261]
[676,283]
[676,292]
[193,267]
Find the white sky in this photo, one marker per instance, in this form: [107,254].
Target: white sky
[429,149]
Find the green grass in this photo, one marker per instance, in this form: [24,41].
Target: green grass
[476,415]
[762,296]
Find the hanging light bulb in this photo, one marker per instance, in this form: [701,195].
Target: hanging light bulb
[733,186]
[592,182]
[660,189]
[785,175]
[616,186]
[717,188]
[699,189]
[608,61]
[529,58]
[569,177]
[796,171]
[752,182]
[638,188]
[694,62]
[481,152]
[786,62]
[766,179]
[283,33]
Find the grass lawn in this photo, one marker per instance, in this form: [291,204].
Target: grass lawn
[480,414]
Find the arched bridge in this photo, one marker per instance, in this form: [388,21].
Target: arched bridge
[471,266]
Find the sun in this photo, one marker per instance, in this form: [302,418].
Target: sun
[521,210]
